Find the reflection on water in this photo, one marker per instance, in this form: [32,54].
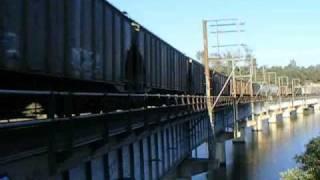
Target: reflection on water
[265,154]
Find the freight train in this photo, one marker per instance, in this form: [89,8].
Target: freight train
[89,46]
[75,42]
[242,87]
[218,80]
[86,46]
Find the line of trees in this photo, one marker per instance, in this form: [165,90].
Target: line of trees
[292,70]
[305,74]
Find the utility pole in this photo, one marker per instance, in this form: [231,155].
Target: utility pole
[207,72]
[216,28]
[272,76]
[283,87]
[295,84]
[264,74]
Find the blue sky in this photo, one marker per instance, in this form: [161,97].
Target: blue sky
[276,30]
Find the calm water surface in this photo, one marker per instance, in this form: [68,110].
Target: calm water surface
[265,154]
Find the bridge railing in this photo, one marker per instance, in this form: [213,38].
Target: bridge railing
[61,104]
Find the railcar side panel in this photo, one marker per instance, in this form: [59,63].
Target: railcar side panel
[117,47]
[141,56]
[86,39]
[73,39]
[127,55]
[56,37]
[152,72]
[36,36]
[147,59]
[159,63]
[170,68]
[108,43]
[163,65]
[12,34]
[98,55]
[156,63]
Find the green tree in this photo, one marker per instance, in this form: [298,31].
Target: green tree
[309,161]
[296,174]
[292,70]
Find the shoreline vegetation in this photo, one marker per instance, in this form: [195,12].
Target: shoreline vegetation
[309,163]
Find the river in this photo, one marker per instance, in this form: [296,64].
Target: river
[267,153]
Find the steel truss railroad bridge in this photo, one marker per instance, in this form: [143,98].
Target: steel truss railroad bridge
[145,142]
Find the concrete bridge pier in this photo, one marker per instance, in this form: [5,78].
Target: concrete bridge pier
[239,124]
[288,113]
[258,125]
[301,109]
[273,117]
[240,133]
[258,115]
[316,107]
[220,153]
